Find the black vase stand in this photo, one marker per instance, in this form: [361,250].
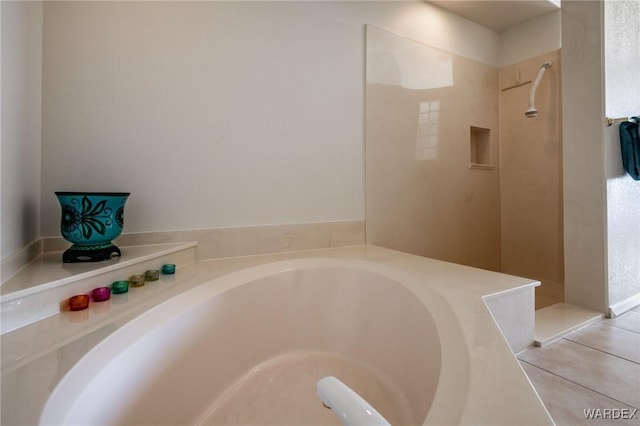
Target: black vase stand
[88,254]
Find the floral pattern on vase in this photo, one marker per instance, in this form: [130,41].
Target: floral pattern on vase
[91,220]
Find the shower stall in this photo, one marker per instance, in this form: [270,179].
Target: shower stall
[455,169]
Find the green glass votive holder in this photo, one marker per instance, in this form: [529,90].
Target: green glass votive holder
[119,287]
[136,280]
[152,275]
[169,269]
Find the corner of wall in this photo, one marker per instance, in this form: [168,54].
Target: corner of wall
[11,264]
[21,76]
[584,174]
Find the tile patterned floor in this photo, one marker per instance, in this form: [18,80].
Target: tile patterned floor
[595,369]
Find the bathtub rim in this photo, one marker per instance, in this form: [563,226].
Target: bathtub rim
[455,376]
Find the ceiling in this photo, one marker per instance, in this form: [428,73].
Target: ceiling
[498,15]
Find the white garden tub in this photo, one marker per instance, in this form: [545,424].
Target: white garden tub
[249,347]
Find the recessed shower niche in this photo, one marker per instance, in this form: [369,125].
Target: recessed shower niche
[479,148]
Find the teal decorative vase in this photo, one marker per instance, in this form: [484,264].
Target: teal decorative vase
[90,221]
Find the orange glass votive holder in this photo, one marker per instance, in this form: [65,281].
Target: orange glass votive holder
[79,302]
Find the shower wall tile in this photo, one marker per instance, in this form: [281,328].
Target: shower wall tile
[422,196]
[531,172]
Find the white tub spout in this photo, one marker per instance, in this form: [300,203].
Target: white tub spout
[350,408]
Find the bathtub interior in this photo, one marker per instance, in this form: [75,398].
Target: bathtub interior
[224,350]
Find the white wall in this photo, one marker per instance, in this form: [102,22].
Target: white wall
[622,60]
[21,103]
[219,114]
[535,37]
[622,54]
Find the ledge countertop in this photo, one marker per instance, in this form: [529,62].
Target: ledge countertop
[47,270]
[36,357]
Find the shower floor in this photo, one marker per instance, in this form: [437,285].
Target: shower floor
[282,391]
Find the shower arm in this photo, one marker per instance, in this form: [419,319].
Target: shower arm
[532,111]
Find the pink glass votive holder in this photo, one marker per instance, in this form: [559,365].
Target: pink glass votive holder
[79,302]
[101,294]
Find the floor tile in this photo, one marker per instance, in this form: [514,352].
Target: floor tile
[613,340]
[630,320]
[598,371]
[567,401]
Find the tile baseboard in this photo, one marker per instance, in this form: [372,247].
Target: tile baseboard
[623,306]
[217,243]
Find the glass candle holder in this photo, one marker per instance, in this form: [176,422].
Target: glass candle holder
[79,302]
[136,280]
[169,269]
[101,294]
[119,287]
[152,275]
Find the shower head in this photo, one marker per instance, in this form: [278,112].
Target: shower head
[532,111]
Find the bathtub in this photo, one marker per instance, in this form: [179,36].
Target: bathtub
[248,348]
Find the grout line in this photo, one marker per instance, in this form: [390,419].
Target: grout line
[623,328]
[610,324]
[600,350]
[575,383]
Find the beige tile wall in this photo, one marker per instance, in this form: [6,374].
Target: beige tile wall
[246,241]
[422,196]
[531,172]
